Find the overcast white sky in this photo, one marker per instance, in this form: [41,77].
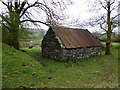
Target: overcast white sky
[78,10]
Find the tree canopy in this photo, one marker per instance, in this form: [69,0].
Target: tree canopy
[24,13]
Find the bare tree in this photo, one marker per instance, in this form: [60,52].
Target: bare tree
[18,13]
[106,17]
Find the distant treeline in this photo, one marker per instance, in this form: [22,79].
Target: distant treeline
[103,37]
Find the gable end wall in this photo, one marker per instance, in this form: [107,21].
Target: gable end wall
[50,46]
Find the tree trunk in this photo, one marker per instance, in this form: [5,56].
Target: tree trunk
[108,51]
[109,31]
[14,30]
[14,39]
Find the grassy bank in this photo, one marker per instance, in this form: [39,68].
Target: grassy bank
[29,69]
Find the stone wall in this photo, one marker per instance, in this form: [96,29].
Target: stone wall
[71,54]
[53,48]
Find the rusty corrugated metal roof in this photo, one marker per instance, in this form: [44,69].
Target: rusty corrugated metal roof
[75,38]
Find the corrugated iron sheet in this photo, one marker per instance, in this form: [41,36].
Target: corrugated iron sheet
[75,38]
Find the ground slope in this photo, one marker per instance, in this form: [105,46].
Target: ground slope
[19,69]
[29,69]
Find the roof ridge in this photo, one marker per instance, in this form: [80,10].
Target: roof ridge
[68,28]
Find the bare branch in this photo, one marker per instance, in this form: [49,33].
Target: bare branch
[4,3]
[27,9]
[116,22]
[115,16]
[102,27]
[22,6]
[5,19]
[102,5]
[112,2]
[34,21]
[113,8]
[16,5]
[27,14]
[10,6]
[6,26]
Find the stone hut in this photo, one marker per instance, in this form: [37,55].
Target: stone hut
[65,44]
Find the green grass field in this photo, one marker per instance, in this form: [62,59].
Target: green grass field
[29,69]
